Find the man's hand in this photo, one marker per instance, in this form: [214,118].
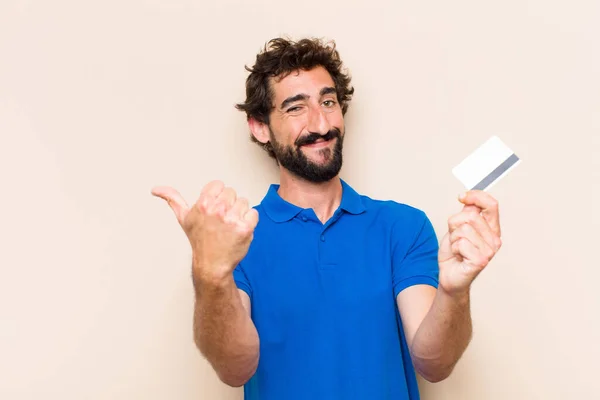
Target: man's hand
[473,239]
[220,227]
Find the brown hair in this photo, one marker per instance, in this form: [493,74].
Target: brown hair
[280,57]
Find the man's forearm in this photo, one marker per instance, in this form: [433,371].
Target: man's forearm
[223,330]
[443,336]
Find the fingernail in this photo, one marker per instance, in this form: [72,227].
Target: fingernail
[462,196]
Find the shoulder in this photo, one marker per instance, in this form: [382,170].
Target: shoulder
[402,222]
[394,211]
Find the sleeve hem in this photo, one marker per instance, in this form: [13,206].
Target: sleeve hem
[242,286]
[415,280]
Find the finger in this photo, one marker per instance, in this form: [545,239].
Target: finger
[467,232]
[466,250]
[472,217]
[471,208]
[174,199]
[239,208]
[488,205]
[251,218]
[224,201]
[210,192]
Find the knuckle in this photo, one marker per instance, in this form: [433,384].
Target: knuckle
[455,247]
[232,194]
[464,230]
[472,216]
[454,221]
[202,205]
[453,236]
[213,187]
[218,208]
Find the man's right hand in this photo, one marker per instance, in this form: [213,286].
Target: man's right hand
[220,227]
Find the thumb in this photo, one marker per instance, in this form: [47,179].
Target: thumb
[470,207]
[174,199]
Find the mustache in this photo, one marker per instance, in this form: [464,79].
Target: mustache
[313,137]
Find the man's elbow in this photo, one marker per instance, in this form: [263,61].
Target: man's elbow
[236,378]
[434,371]
[435,375]
[238,372]
[233,371]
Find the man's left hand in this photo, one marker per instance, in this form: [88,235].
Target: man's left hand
[473,239]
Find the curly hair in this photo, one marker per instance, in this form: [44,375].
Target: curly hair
[279,58]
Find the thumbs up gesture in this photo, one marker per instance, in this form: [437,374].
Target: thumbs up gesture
[220,227]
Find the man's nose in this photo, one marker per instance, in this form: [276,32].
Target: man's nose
[317,121]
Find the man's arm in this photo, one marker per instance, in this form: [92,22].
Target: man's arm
[220,227]
[437,327]
[224,331]
[437,323]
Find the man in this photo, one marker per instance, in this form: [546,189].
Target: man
[330,294]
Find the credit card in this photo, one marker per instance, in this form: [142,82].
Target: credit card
[484,167]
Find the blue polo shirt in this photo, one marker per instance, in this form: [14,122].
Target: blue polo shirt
[323,297]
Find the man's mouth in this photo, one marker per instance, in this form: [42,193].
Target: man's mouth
[316,140]
[318,143]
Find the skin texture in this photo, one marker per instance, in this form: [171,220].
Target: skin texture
[220,226]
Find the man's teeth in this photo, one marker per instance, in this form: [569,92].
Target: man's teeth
[317,141]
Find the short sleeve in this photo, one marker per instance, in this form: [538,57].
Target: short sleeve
[414,253]
[241,280]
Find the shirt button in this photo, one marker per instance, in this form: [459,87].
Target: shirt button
[304,218]
[322,238]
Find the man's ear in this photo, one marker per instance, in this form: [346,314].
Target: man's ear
[259,130]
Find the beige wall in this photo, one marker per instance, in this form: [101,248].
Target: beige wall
[100,101]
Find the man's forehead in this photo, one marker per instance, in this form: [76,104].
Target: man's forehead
[307,82]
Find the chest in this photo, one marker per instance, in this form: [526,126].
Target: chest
[321,276]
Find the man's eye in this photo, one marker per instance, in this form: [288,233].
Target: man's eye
[293,109]
[329,103]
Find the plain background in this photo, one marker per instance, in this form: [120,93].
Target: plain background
[100,101]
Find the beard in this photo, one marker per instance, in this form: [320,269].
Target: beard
[292,158]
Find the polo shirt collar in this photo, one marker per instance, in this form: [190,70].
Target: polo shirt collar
[351,200]
[280,210]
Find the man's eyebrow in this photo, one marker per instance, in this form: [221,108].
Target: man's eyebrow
[302,96]
[293,99]
[328,90]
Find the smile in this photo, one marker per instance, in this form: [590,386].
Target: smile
[319,143]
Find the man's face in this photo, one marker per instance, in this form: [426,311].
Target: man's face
[307,126]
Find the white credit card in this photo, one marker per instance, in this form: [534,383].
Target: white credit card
[489,163]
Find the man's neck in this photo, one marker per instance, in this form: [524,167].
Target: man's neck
[324,198]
